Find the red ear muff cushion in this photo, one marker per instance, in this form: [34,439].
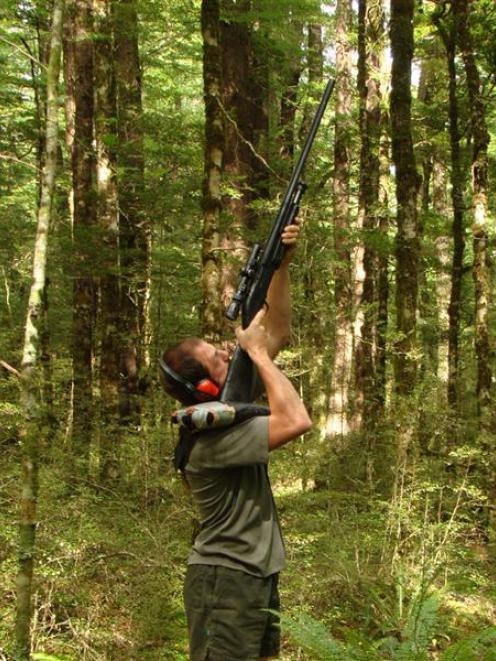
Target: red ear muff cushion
[208,387]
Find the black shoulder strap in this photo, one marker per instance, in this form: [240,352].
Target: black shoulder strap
[183,449]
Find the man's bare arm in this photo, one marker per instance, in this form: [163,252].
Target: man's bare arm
[288,416]
[278,318]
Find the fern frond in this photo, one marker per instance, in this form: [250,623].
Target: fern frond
[313,637]
[472,648]
[422,619]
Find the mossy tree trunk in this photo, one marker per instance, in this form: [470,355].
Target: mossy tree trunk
[316,266]
[480,184]
[367,407]
[449,35]
[291,74]
[30,380]
[108,231]
[134,226]
[84,246]
[481,272]
[407,244]
[212,322]
[337,423]
[443,280]
[239,109]
[407,182]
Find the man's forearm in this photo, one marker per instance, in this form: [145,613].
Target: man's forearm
[278,319]
[288,415]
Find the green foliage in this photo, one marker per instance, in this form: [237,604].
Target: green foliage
[413,643]
[313,637]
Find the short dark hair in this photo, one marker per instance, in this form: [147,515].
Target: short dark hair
[179,359]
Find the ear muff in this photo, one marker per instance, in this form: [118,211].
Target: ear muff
[203,391]
[208,387]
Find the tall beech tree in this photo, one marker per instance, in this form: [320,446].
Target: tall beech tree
[370,48]
[32,430]
[83,263]
[313,276]
[239,108]
[108,230]
[447,27]
[337,423]
[407,183]
[480,183]
[134,226]
[291,74]
[214,160]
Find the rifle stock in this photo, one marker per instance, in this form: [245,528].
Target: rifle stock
[242,382]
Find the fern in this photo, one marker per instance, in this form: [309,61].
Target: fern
[421,621]
[479,647]
[314,638]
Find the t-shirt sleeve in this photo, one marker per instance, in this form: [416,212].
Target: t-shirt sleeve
[244,444]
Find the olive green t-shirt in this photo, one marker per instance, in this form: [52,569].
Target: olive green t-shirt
[227,473]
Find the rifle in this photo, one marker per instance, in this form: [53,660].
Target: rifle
[242,381]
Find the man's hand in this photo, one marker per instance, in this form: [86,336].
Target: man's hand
[254,338]
[290,236]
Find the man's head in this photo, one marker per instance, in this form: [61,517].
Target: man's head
[193,371]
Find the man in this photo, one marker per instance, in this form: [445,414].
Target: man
[234,564]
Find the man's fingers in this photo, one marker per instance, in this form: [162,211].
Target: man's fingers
[256,321]
[290,233]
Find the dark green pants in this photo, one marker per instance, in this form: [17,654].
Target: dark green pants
[227,614]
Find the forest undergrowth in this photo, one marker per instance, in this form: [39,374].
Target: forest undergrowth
[375,572]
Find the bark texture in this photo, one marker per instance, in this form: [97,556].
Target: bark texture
[214,160]
[337,424]
[30,382]
[134,227]
[370,45]
[480,183]
[83,177]
[242,104]
[449,35]
[108,231]
[407,183]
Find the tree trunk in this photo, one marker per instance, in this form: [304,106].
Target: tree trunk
[108,231]
[450,37]
[83,175]
[315,61]
[289,99]
[480,167]
[30,381]
[212,321]
[370,46]
[69,102]
[313,276]
[481,268]
[405,363]
[429,83]
[383,269]
[134,227]
[336,424]
[443,281]
[406,247]
[236,53]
